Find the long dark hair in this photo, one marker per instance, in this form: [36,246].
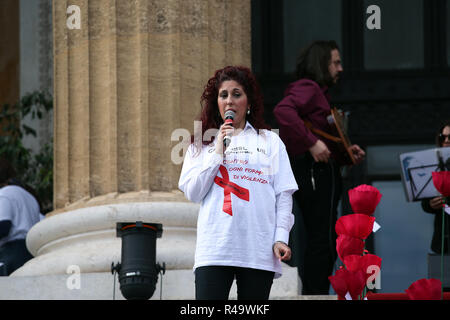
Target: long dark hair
[313,62]
[210,116]
[438,133]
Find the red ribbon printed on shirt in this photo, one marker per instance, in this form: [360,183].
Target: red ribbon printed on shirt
[228,189]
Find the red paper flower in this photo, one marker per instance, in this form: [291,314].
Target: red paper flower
[370,260]
[365,263]
[353,262]
[425,289]
[346,245]
[441,181]
[345,281]
[364,199]
[355,225]
[339,283]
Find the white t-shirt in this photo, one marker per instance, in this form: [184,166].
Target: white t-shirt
[246,200]
[21,208]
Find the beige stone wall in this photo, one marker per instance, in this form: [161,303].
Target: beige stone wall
[131,75]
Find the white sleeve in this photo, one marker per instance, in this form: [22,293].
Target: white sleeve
[284,216]
[284,186]
[198,173]
[6,209]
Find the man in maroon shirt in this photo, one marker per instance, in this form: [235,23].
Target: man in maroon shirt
[315,160]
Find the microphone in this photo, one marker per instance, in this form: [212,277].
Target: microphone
[229,116]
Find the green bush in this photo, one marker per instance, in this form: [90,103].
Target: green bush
[36,170]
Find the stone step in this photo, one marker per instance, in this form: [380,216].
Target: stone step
[176,284]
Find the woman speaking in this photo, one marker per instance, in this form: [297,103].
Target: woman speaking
[242,178]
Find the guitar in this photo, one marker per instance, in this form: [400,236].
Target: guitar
[339,121]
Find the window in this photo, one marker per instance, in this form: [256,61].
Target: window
[306,21]
[399,44]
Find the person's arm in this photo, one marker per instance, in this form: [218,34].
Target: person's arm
[285,221]
[358,153]
[288,112]
[284,185]
[198,173]
[432,205]
[5,227]
[320,152]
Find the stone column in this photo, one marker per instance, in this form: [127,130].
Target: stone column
[123,82]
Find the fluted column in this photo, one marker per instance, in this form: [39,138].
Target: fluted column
[132,74]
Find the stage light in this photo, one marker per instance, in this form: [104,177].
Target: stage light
[138,270]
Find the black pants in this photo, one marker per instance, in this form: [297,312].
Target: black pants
[318,207]
[14,254]
[214,283]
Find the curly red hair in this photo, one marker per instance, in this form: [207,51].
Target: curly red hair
[210,116]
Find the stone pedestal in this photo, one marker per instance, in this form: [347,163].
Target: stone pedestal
[80,245]
[86,238]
